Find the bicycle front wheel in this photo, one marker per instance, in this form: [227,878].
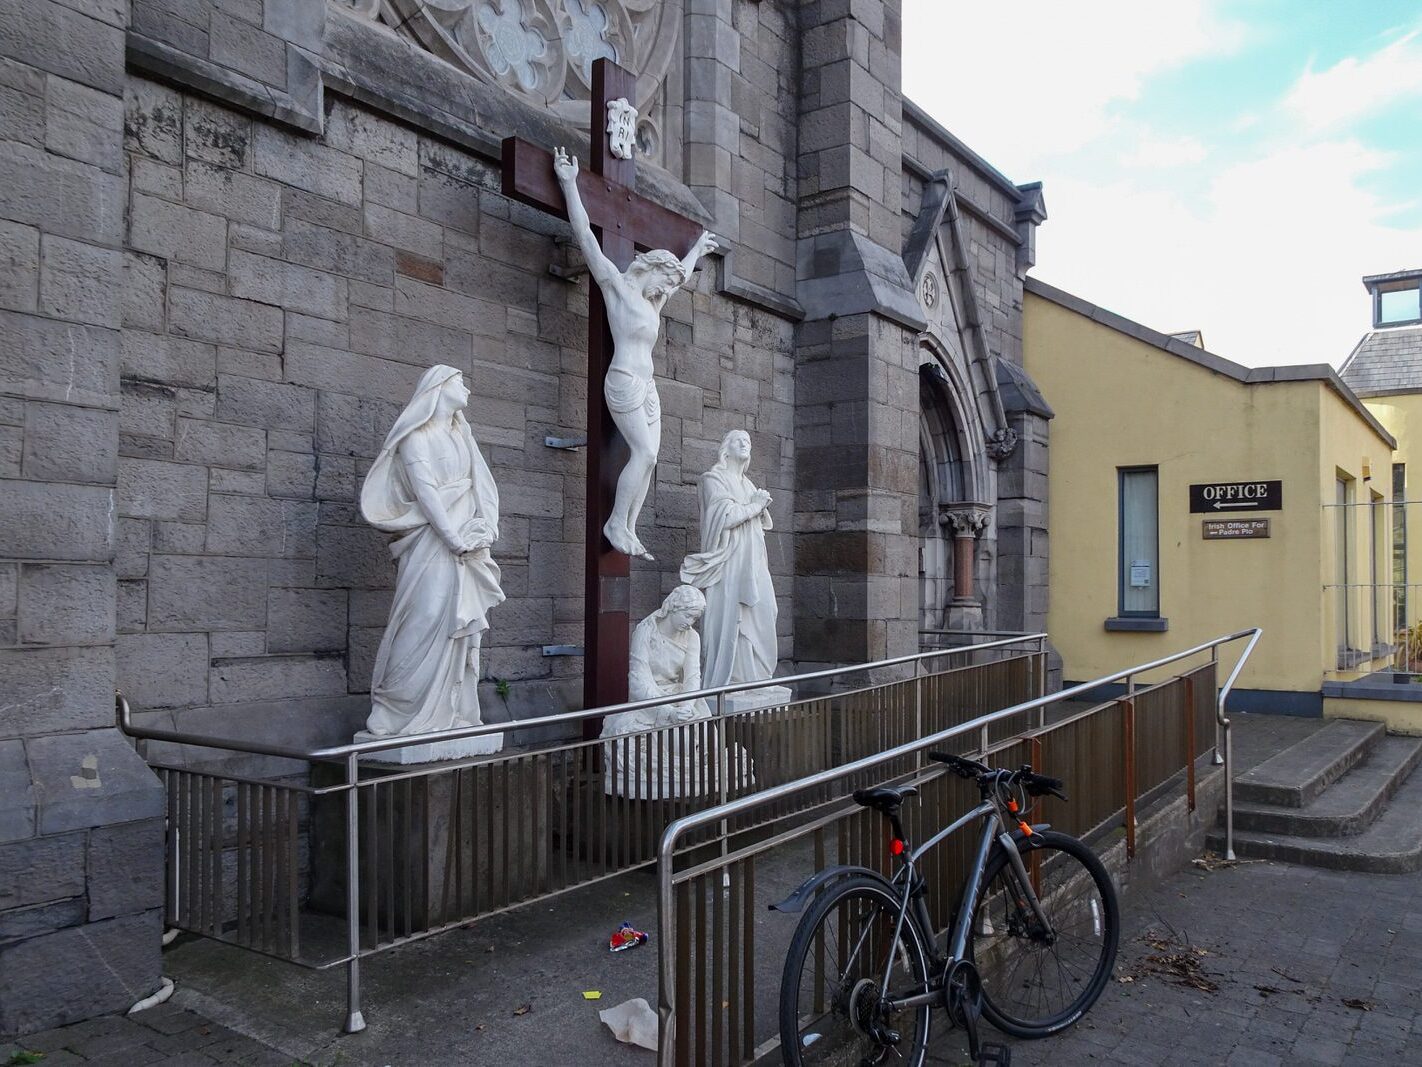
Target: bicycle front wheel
[831,1008]
[1036,985]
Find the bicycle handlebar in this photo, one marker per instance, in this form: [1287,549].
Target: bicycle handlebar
[1035,784]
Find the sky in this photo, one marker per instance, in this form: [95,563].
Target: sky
[1229,167]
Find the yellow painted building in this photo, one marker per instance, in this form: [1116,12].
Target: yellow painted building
[1189,496]
[1385,371]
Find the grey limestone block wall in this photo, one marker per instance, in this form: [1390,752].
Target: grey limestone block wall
[283,293]
[856,590]
[80,833]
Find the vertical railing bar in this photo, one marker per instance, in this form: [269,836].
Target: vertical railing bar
[244,843]
[268,869]
[748,956]
[172,873]
[278,853]
[733,967]
[185,848]
[293,899]
[681,987]
[1128,710]
[371,860]
[1190,740]
[355,1020]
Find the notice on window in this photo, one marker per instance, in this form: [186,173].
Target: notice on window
[1140,574]
[1234,529]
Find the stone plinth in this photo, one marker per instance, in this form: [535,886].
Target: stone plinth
[769,696]
[434,752]
[456,842]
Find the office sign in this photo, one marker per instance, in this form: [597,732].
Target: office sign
[1234,529]
[1211,498]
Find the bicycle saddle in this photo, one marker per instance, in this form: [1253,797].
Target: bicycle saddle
[884,797]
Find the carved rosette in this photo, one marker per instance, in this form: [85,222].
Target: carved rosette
[1002,443]
[543,51]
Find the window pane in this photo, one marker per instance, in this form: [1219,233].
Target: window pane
[1398,306]
[1139,580]
[1399,545]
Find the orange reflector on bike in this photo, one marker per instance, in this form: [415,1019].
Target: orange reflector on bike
[896,847]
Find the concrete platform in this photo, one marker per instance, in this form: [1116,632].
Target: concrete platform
[1391,845]
[1297,775]
[1347,807]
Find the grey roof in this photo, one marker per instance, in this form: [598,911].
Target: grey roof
[1372,281]
[1386,361]
[1190,337]
[1311,372]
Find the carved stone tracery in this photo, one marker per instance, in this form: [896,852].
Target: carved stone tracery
[542,51]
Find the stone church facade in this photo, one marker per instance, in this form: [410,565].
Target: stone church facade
[234,232]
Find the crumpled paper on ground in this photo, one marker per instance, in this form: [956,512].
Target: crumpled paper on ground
[633,1022]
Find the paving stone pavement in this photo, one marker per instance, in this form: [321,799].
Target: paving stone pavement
[1288,948]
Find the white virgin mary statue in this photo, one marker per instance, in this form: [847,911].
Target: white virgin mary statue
[431,487]
[738,629]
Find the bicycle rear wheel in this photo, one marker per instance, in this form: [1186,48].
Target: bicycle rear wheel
[1034,986]
[830,1005]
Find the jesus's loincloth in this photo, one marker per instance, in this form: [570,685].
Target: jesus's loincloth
[626,392]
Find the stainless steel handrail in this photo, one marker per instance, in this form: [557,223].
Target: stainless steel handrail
[716,694]
[723,812]
[1223,720]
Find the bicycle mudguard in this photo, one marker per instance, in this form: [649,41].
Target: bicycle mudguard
[796,900]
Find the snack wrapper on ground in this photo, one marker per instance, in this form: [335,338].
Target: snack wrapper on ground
[625,937]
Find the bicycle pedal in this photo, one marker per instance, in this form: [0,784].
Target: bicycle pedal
[1000,1055]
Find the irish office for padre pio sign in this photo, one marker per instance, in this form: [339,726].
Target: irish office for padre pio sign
[1234,529]
[1211,498]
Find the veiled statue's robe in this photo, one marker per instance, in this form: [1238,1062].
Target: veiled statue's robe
[738,629]
[423,679]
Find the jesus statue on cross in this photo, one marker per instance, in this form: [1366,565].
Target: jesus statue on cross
[634,305]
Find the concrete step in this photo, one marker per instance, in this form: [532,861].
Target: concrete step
[1349,805]
[1392,845]
[1298,774]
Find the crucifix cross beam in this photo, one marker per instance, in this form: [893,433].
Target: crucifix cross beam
[624,222]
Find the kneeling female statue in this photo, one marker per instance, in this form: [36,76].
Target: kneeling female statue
[665,661]
[431,487]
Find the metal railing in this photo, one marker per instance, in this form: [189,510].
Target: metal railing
[392,854]
[1116,756]
[1372,596]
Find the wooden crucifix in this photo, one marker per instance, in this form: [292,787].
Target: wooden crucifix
[624,223]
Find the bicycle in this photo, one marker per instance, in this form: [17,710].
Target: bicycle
[1004,953]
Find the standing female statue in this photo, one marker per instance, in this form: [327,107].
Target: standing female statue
[733,571]
[431,486]
[634,306]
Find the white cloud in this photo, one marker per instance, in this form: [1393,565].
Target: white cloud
[1148,152]
[1354,87]
[1253,227]
[1043,80]
[1267,263]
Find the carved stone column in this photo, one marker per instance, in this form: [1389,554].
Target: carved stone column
[967,521]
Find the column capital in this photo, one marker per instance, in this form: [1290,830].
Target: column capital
[966,520]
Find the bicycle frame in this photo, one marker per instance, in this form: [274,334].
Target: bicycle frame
[957,945]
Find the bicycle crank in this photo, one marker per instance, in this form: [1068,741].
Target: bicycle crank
[963,998]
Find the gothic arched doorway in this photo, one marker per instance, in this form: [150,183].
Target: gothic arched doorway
[941,482]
